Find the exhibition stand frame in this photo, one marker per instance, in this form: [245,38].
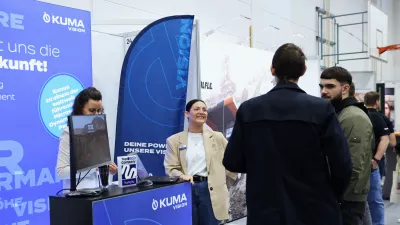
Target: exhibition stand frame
[169,204]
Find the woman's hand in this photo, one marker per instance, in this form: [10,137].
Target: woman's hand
[113,168]
[188,178]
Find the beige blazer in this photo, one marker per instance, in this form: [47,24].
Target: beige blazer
[214,144]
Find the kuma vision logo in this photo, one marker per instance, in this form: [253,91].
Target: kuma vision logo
[73,25]
[176,202]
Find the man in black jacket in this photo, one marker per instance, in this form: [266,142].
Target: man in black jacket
[293,150]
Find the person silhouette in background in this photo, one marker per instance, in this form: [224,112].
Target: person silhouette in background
[382,141]
[292,149]
[390,156]
[392,141]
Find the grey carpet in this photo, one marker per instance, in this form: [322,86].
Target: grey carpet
[392,214]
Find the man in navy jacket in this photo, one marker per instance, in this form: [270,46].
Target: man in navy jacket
[293,150]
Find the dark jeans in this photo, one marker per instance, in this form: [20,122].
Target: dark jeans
[352,212]
[203,213]
[367,215]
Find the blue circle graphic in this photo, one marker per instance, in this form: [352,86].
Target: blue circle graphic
[141,221]
[56,100]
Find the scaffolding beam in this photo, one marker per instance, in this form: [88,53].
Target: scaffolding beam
[335,43]
[349,14]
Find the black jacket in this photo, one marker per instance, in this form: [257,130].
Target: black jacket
[282,140]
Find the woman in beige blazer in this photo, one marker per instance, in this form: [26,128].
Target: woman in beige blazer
[196,156]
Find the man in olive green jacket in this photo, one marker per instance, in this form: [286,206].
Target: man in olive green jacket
[353,117]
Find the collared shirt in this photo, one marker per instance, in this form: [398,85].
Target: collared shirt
[196,155]
[380,127]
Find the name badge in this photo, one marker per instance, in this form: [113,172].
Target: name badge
[182,147]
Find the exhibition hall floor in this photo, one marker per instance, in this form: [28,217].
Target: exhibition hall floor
[392,215]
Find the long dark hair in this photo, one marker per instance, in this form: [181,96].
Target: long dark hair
[390,109]
[82,99]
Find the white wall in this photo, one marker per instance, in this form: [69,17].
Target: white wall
[386,70]
[296,21]
[78,4]
[108,55]
[396,38]
[396,58]
[350,37]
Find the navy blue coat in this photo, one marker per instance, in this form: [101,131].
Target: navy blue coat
[296,157]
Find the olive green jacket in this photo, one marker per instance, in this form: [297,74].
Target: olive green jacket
[358,129]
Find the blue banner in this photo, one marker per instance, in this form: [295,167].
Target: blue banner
[45,61]
[162,206]
[153,87]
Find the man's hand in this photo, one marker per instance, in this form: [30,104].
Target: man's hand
[374,164]
[189,178]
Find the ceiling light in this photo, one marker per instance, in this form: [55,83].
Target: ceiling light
[298,35]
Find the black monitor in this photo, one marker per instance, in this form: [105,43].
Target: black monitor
[89,145]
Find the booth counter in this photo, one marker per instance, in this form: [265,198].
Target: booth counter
[153,205]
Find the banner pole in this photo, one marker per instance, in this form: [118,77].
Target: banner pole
[251,36]
[251,24]
[198,58]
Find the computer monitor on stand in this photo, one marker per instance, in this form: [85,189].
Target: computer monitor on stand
[89,144]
